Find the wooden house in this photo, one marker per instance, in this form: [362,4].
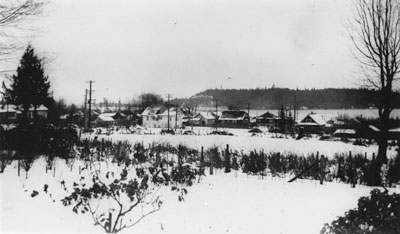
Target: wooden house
[267,119]
[204,119]
[41,111]
[157,116]
[312,123]
[234,118]
[9,113]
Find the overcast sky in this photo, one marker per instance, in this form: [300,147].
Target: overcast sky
[183,47]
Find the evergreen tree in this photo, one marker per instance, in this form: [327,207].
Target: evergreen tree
[30,86]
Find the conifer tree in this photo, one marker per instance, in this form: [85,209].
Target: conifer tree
[30,86]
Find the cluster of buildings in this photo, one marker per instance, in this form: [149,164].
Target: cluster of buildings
[161,116]
[10,113]
[177,117]
[173,117]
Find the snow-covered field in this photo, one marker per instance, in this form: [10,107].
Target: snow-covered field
[242,140]
[221,203]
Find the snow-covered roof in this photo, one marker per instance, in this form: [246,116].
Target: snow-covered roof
[345,131]
[316,120]
[14,108]
[172,111]
[374,128]
[106,118]
[233,115]
[64,116]
[266,115]
[107,114]
[152,110]
[394,130]
[8,108]
[40,108]
[205,115]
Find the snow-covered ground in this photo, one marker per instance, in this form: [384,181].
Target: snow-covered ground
[242,140]
[221,203]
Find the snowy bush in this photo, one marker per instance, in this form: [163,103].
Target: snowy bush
[379,213]
[127,196]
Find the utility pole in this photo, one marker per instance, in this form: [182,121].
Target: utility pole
[7,113]
[90,102]
[216,114]
[168,96]
[286,115]
[85,110]
[248,111]
[176,117]
[192,115]
[294,114]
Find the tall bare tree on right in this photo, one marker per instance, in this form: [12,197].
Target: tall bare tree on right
[375,33]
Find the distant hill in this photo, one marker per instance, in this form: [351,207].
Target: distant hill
[274,98]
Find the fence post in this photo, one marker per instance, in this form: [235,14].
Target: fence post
[352,174]
[118,149]
[213,154]
[109,222]
[202,159]
[102,147]
[322,170]
[354,171]
[318,168]
[158,157]
[227,160]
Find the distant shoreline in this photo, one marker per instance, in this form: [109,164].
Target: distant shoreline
[327,114]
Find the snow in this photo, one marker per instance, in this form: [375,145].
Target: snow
[220,203]
[243,140]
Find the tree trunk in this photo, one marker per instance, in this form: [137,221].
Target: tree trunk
[35,115]
[24,120]
[384,114]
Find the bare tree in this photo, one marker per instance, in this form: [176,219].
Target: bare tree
[14,17]
[376,36]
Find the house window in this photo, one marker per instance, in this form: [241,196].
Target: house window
[147,118]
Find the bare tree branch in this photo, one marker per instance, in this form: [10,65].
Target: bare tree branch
[375,33]
[15,15]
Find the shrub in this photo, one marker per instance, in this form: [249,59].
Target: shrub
[127,194]
[379,213]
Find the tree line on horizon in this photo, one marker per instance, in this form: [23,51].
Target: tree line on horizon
[275,98]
